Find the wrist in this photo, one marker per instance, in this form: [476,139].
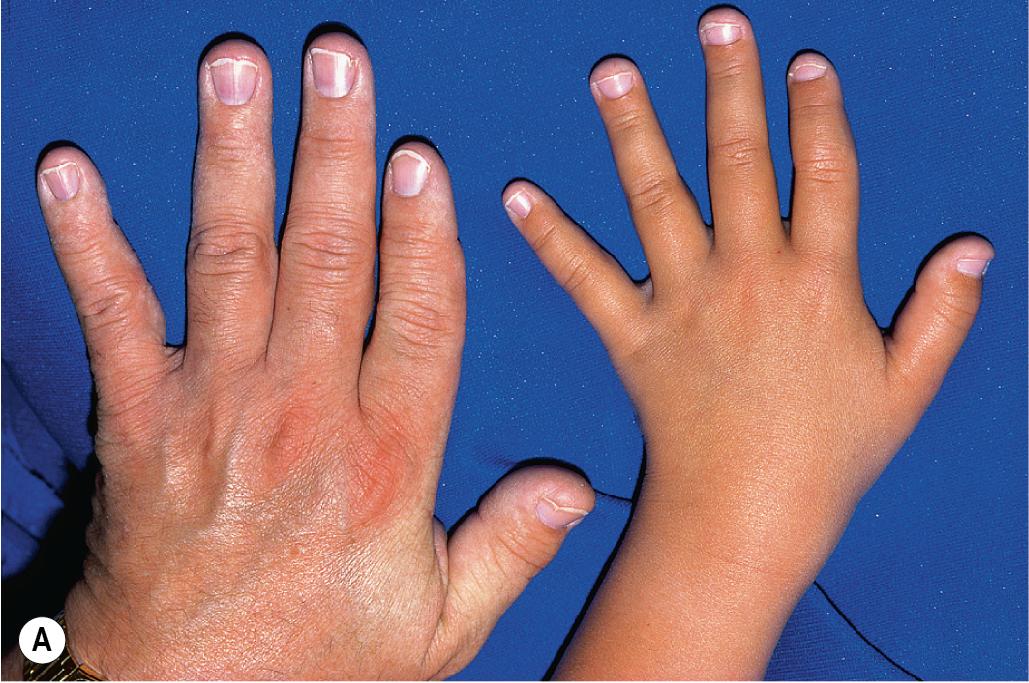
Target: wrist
[766,517]
[708,588]
[89,639]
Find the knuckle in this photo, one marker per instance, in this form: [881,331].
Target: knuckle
[815,109]
[229,148]
[415,240]
[120,400]
[227,247]
[573,269]
[653,192]
[728,68]
[323,147]
[574,274]
[825,162]
[377,481]
[422,318]
[514,544]
[954,307]
[109,306]
[627,121]
[545,236]
[326,254]
[737,149]
[74,240]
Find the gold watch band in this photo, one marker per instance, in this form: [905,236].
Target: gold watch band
[64,668]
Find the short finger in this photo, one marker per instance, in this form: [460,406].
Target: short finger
[824,214]
[410,370]
[231,262]
[120,316]
[512,535]
[594,279]
[744,199]
[934,322]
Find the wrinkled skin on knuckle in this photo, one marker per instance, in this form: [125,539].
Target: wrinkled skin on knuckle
[628,122]
[129,410]
[328,151]
[655,193]
[425,313]
[228,151]
[331,257]
[827,164]
[738,149]
[725,72]
[232,246]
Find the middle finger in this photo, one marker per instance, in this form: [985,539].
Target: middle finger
[326,265]
[744,198]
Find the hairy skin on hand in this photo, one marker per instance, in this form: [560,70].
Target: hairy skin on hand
[770,399]
[265,504]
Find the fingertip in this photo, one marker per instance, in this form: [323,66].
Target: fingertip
[558,497]
[519,198]
[234,71]
[723,26]
[338,65]
[339,70]
[967,255]
[340,41]
[613,78]
[809,66]
[415,167]
[61,174]
[974,255]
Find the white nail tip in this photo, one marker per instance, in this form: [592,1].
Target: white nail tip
[410,153]
[59,167]
[236,63]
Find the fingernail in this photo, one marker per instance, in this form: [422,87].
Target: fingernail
[520,204]
[333,72]
[408,172]
[62,180]
[973,267]
[557,516]
[234,80]
[614,86]
[720,33]
[807,68]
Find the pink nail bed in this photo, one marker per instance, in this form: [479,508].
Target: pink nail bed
[408,172]
[519,204]
[615,86]
[62,180]
[974,267]
[720,33]
[333,72]
[234,80]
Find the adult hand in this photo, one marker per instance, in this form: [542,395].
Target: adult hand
[265,508]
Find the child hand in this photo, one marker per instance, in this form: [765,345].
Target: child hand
[769,397]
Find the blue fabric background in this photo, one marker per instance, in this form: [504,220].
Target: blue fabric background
[933,567]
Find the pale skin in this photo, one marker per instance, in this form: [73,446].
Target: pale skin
[266,502]
[770,400]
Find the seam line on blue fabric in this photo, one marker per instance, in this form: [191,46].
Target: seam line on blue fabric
[893,662]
